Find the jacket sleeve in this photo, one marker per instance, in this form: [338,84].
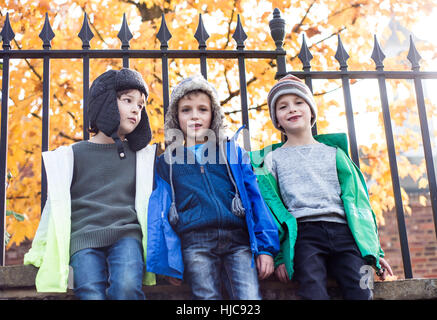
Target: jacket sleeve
[164,255]
[265,229]
[36,253]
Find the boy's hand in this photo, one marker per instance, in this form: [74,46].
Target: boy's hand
[385,268]
[265,266]
[174,281]
[281,273]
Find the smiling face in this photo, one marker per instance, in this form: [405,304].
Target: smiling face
[293,114]
[194,116]
[130,103]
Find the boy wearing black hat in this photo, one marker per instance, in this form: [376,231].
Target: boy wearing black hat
[95,216]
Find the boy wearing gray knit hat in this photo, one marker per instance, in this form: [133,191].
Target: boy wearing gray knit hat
[313,188]
[216,208]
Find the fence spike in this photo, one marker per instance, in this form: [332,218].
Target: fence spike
[201,34]
[341,55]
[164,34]
[239,35]
[47,33]
[277,29]
[124,34]
[377,55]
[7,34]
[305,55]
[413,55]
[85,33]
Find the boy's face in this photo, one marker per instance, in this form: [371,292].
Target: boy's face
[194,115]
[293,114]
[130,103]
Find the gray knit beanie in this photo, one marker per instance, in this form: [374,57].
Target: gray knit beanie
[187,85]
[290,85]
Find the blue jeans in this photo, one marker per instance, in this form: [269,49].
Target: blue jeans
[213,257]
[114,272]
[328,248]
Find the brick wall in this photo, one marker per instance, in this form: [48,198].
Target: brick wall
[421,240]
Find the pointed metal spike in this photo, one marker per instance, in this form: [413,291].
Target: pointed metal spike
[305,55]
[164,34]
[277,29]
[124,34]
[47,33]
[201,34]
[341,55]
[377,55]
[239,35]
[85,33]
[413,55]
[7,34]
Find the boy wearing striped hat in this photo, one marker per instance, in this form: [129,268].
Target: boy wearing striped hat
[319,199]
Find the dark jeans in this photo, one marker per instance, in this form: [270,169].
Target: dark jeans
[328,248]
[213,257]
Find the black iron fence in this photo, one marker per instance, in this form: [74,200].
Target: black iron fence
[277,27]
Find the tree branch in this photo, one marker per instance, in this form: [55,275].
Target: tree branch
[299,25]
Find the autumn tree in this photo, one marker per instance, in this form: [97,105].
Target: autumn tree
[322,21]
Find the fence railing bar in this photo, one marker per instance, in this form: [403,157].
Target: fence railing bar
[342,56]
[201,36]
[3,155]
[85,35]
[164,36]
[7,35]
[46,36]
[378,57]
[240,36]
[414,57]
[305,57]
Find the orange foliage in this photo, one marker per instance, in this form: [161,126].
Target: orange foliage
[321,21]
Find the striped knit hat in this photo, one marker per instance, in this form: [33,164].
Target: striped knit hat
[290,85]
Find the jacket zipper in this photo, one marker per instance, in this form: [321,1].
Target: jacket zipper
[202,171]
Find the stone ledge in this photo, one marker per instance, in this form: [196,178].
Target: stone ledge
[17,282]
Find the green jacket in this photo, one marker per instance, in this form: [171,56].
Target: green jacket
[354,194]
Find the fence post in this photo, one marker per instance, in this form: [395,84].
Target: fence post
[7,35]
[86,35]
[378,56]
[240,36]
[125,36]
[305,57]
[414,58]
[164,36]
[277,31]
[341,56]
[201,36]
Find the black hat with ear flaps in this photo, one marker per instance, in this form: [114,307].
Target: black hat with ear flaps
[103,108]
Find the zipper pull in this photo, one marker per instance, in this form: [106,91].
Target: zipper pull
[202,170]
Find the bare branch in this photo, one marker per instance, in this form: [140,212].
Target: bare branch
[299,25]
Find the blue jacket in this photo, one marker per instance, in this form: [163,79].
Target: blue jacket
[164,255]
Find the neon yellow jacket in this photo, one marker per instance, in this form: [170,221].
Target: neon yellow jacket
[50,251]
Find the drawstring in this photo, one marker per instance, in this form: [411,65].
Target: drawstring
[237,205]
[173,216]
